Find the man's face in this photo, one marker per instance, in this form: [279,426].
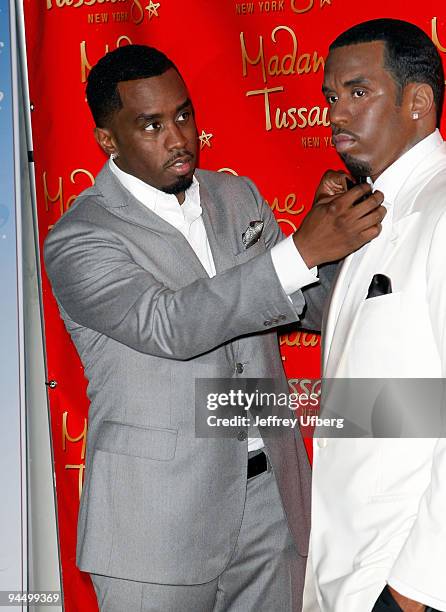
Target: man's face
[154,133]
[371,127]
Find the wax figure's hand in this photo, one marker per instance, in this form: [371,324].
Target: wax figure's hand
[336,228]
[332,183]
[406,604]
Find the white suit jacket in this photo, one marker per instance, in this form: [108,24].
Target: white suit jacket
[379,505]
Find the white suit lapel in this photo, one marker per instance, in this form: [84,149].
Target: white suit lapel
[352,283]
[352,288]
[332,313]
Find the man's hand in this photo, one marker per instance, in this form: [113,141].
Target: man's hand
[332,183]
[406,604]
[336,228]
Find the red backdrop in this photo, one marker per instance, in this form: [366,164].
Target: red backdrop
[254,70]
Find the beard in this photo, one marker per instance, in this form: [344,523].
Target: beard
[356,167]
[180,185]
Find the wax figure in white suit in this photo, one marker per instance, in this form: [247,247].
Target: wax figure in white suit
[379,505]
[159,282]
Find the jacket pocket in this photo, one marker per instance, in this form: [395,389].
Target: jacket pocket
[247,254]
[145,442]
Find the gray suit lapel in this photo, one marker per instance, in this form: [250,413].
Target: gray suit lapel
[121,203]
[214,222]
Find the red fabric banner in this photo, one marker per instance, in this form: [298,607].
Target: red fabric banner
[254,70]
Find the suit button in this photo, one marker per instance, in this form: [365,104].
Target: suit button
[242,436]
[282,317]
[267,323]
[322,442]
[239,367]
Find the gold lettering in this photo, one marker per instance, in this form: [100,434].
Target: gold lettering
[310,339]
[228,171]
[79,3]
[318,62]
[72,179]
[66,436]
[253,62]
[281,121]
[435,38]
[273,66]
[290,57]
[81,468]
[121,38]
[85,64]
[304,10]
[314,116]
[288,207]
[265,92]
[57,198]
[299,339]
[311,141]
[303,65]
[288,222]
[292,115]
[136,13]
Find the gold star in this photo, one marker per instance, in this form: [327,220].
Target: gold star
[153,7]
[205,139]
[324,2]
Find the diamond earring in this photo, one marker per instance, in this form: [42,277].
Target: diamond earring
[415,116]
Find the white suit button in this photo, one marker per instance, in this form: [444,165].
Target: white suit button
[322,442]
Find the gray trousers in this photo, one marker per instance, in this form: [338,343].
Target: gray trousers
[265,573]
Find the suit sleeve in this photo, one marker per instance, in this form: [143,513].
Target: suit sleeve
[418,571]
[100,286]
[316,293]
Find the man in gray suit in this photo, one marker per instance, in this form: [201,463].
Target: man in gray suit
[163,275]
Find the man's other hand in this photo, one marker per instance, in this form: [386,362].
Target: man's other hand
[336,227]
[332,183]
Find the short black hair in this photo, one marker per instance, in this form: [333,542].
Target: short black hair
[410,55]
[126,63]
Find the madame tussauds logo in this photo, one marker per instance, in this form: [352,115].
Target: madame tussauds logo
[78,3]
[136,8]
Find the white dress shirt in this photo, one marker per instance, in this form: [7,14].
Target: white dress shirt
[187,218]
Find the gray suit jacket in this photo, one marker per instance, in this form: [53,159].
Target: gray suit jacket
[158,503]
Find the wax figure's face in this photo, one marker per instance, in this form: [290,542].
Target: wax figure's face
[154,133]
[371,127]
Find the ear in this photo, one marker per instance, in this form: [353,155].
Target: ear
[420,100]
[106,141]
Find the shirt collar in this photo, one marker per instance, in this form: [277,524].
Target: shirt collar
[394,177]
[165,205]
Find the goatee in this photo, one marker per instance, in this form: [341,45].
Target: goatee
[180,185]
[356,167]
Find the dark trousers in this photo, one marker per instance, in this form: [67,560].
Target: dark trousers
[386,603]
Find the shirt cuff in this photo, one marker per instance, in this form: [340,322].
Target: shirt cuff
[291,269]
